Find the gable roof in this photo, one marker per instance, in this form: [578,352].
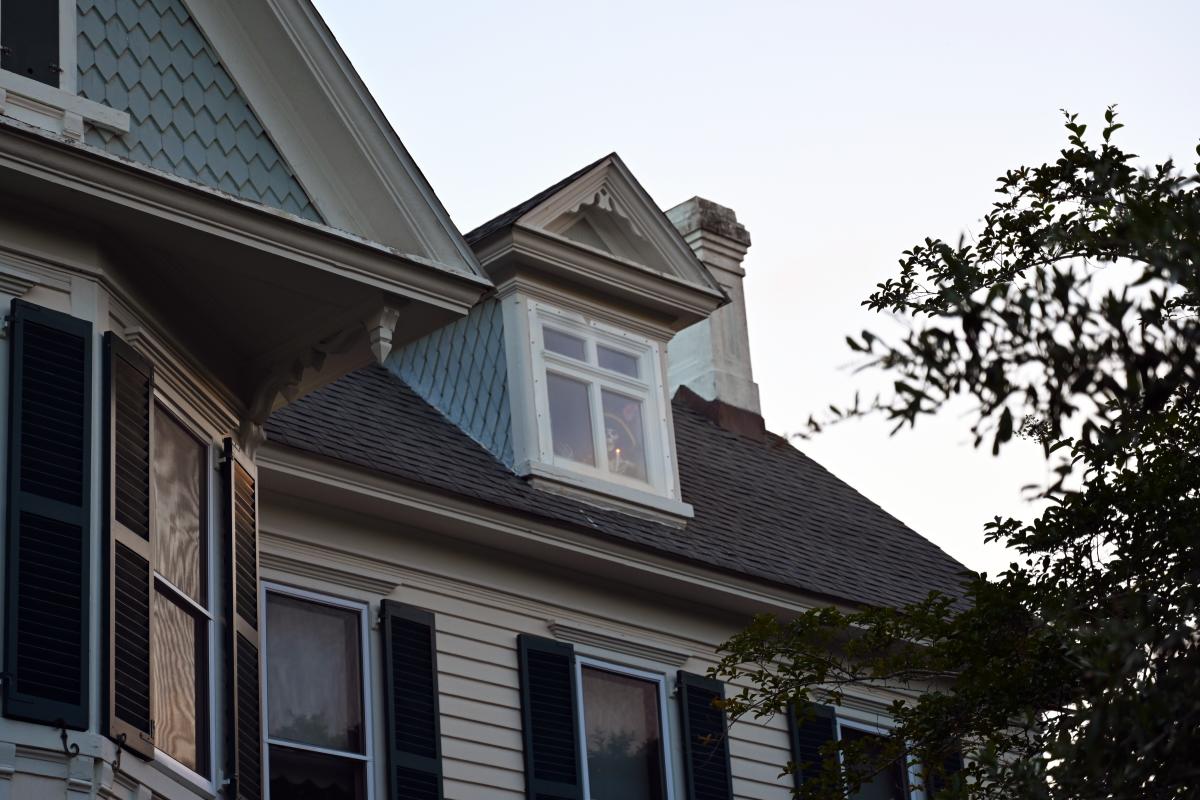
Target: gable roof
[307,136]
[763,509]
[630,225]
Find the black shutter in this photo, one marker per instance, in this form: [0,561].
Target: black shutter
[809,732]
[49,517]
[129,554]
[549,721]
[705,738]
[244,709]
[411,686]
[29,35]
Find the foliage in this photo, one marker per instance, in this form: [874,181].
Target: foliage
[1071,319]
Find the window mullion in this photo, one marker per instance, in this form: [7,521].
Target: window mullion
[599,432]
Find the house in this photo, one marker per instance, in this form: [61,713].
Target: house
[309,495]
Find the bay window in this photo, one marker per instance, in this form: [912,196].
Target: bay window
[317,707]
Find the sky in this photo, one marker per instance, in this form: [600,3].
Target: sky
[840,132]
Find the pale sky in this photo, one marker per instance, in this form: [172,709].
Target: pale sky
[840,133]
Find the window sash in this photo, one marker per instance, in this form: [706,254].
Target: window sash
[366,757]
[205,779]
[912,766]
[663,714]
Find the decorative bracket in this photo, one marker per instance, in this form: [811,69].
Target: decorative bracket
[381,327]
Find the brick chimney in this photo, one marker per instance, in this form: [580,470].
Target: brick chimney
[712,358]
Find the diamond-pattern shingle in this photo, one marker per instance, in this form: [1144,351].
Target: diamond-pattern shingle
[763,509]
[456,369]
[148,57]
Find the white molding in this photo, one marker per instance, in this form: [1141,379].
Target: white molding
[327,570]
[293,473]
[626,198]
[59,111]
[611,641]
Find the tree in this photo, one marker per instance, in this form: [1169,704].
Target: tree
[1071,319]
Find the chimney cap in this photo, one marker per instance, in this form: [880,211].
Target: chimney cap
[705,215]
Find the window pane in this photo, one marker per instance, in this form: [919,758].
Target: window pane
[314,677]
[623,435]
[570,419]
[298,775]
[888,784]
[179,466]
[564,344]
[618,361]
[624,736]
[178,687]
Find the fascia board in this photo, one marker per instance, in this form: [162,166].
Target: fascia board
[82,169]
[663,236]
[571,261]
[335,137]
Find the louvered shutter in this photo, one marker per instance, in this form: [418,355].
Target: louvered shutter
[244,717]
[129,431]
[810,731]
[549,719]
[49,517]
[29,34]
[411,688]
[705,738]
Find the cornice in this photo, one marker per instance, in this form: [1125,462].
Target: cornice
[63,164]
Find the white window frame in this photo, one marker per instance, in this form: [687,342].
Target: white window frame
[663,715]
[58,109]
[162,759]
[647,388]
[367,757]
[912,768]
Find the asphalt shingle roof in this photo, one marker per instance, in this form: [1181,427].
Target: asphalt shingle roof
[764,510]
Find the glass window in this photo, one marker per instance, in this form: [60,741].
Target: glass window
[599,409]
[617,361]
[623,435]
[570,419]
[565,344]
[316,738]
[180,615]
[623,731]
[886,785]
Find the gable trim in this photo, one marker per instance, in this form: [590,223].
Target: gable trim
[331,131]
[634,204]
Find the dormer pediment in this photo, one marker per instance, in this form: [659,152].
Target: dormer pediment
[599,230]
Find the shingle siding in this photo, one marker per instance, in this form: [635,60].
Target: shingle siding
[461,370]
[187,117]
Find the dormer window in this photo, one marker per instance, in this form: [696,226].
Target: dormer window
[599,398]
[595,407]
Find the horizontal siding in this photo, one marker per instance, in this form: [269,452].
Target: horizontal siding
[482,601]
[480,702]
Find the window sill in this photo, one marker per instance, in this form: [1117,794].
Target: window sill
[606,494]
[54,109]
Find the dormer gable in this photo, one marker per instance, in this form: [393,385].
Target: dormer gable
[598,230]
[562,373]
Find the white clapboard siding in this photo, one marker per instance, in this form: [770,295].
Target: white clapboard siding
[481,606]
